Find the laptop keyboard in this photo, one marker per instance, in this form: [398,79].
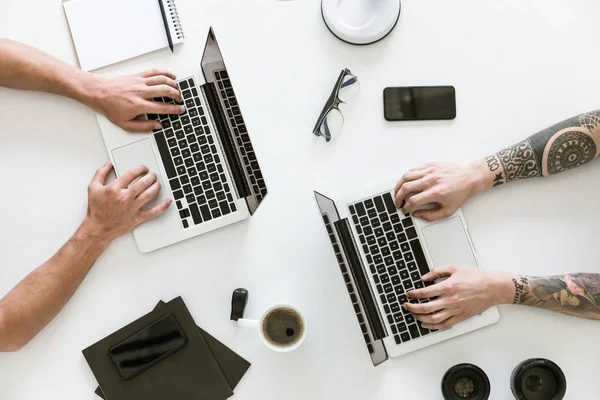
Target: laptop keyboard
[241,134]
[396,260]
[193,164]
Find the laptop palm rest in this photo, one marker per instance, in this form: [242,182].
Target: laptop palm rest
[448,244]
[139,153]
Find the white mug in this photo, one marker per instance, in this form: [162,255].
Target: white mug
[259,324]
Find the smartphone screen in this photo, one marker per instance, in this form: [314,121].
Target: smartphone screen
[419,103]
[148,346]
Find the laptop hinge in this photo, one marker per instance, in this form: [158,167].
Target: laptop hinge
[358,272]
[225,138]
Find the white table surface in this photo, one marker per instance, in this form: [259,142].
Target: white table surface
[518,66]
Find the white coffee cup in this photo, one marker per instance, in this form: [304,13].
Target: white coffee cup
[283,322]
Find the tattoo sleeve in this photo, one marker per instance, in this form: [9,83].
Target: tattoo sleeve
[574,294]
[568,144]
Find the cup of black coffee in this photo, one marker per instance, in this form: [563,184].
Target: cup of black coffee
[282,328]
[538,379]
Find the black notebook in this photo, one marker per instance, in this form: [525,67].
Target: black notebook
[232,365]
[189,373]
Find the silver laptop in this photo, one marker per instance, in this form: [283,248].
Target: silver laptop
[382,254]
[203,158]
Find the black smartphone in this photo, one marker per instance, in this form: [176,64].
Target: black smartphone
[148,346]
[419,103]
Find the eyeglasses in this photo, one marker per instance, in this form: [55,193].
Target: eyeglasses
[331,119]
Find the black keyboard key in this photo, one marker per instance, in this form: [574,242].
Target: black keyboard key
[390,319]
[389,203]
[168,132]
[379,204]
[184,213]
[382,241]
[415,276]
[404,247]
[387,227]
[389,261]
[195,181]
[395,307]
[184,179]
[424,331]
[195,214]
[385,278]
[224,207]
[414,331]
[388,288]
[397,339]
[372,213]
[412,266]
[394,246]
[205,211]
[407,284]
[217,213]
[185,224]
[189,162]
[391,297]
[178,194]
[371,240]
[419,285]
[178,161]
[404,274]
[174,184]
[198,191]
[385,251]
[164,154]
[408,257]
[360,209]
[411,233]
[394,329]
[407,222]
[409,319]
[419,256]
[401,326]
[382,297]
[405,337]
[396,280]
[190,198]
[398,317]
[378,232]
[399,290]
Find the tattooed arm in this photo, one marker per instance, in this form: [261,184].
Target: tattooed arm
[469,291]
[566,145]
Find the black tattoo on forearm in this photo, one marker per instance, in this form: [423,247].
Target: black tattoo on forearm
[566,145]
[493,164]
[574,294]
[520,288]
[519,161]
[570,150]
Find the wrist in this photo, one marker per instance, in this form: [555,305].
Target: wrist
[91,231]
[480,178]
[89,90]
[502,288]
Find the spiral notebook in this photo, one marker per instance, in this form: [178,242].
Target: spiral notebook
[109,31]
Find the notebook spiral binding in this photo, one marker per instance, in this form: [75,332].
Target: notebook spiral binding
[172,9]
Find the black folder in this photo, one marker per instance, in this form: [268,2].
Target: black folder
[190,373]
[232,365]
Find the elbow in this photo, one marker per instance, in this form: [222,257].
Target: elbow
[9,342]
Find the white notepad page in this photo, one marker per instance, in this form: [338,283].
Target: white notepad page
[109,31]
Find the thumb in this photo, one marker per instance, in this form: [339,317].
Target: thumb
[433,214]
[138,125]
[439,272]
[102,173]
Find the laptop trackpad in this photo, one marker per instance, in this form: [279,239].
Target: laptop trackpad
[139,153]
[448,244]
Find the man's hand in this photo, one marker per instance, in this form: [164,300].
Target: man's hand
[466,291]
[124,98]
[116,208]
[447,184]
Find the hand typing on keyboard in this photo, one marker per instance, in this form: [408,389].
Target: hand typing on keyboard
[124,98]
[447,184]
[467,291]
[116,208]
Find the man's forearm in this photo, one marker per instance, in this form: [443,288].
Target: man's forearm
[36,300]
[573,294]
[566,145]
[23,67]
